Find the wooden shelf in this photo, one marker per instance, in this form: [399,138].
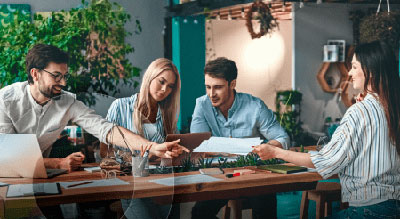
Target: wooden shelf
[323,70]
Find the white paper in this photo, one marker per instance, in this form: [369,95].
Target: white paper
[240,146]
[3,184]
[92,169]
[94,183]
[182,180]
[19,190]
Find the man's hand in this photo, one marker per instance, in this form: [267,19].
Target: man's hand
[168,149]
[266,151]
[72,162]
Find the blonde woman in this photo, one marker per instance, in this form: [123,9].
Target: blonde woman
[152,114]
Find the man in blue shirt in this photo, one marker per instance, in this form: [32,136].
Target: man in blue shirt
[226,113]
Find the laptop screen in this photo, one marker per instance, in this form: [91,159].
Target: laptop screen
[20,156]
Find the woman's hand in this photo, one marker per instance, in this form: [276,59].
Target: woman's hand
[265,151]
[168,149]
[360,97]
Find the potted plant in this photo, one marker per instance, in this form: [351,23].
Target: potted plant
[93,35]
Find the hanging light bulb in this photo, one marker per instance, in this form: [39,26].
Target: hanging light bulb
[242,13]
[319,1]
[284,6]
[230,15]
[301,5]
[218,16]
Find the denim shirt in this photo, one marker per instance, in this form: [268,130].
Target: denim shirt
[248,117]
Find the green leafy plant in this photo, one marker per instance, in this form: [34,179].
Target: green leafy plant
[288,117]
[93,35]
[205,162]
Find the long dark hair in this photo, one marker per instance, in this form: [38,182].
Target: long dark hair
[381,71]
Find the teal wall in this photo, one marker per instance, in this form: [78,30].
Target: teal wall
[188,54]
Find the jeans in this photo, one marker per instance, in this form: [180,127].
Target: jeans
[145,208]
[386,209]
[263,206]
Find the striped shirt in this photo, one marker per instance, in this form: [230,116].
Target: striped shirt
[121,113]
[363,156]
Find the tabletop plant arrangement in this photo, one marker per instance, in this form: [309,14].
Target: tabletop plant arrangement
[188,164]
[92,34]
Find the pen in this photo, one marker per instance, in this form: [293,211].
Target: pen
[230,175]
[78,184]
[145,155]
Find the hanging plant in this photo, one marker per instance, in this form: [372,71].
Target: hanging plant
[267,22]
[381,26]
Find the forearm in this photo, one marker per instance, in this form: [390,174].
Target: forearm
[297,158]
[132,140]
[52,163]
[275,143]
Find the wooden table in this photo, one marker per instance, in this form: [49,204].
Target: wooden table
[228,188]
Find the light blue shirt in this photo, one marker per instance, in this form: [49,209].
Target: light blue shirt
[248,117]
[121,113]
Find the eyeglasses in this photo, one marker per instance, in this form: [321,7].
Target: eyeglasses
[58,76]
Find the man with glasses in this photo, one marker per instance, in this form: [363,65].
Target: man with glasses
[40,106]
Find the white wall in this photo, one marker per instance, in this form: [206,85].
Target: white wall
[148,45]
[313,25]
[264,64]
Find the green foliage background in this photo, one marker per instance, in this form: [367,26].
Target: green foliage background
[70,31]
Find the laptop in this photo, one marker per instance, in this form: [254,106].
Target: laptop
[20,156]
[190,141]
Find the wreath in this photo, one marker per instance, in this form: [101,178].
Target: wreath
[267,21]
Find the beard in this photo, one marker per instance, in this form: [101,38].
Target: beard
[48,91]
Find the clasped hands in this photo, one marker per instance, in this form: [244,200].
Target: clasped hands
[266,151]
[167,149]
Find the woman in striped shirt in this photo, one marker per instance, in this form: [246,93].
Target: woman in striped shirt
[152,114]
[365,148]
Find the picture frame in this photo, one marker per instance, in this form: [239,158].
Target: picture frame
[342,49]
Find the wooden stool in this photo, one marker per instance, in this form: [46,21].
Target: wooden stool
[323,195]
[237,206]
[116,207]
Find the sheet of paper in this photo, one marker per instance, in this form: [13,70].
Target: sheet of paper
[240,146]
[3,184]
[94,183]
[19,190]
[92,169]
[182,180]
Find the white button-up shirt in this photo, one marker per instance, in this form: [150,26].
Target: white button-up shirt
[19,113]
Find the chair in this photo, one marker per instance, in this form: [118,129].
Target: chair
[116,208]
[324,194]
[237,206]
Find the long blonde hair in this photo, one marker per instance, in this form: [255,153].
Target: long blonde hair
[169,106]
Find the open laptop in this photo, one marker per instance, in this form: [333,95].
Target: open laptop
[190,141]
[20,156]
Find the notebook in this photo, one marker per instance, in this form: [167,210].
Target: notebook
[279,168]
[37,189]
[20,156]
[190,141]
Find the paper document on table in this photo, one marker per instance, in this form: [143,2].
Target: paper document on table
[182,180]
[241,146]
[93,183]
